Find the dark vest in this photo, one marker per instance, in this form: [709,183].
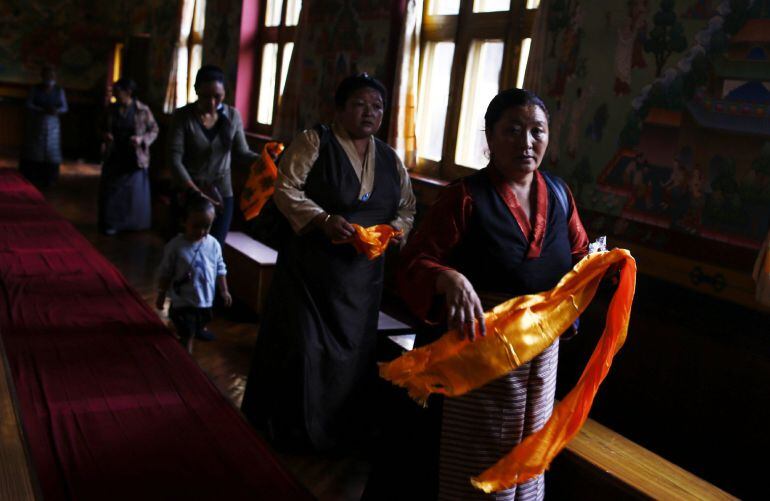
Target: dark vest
[333,185]
[493,252]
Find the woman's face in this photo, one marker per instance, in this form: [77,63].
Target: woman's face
[518,141]
[123,96]
[210,96]
[362,115]
[49,76]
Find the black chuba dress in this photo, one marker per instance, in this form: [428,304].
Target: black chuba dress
[315,355]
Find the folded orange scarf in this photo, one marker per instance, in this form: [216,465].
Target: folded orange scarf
[372,241]
[517,331]
[260,185]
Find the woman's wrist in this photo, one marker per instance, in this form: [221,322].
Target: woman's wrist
[322,219]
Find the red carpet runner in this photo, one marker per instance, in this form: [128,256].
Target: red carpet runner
[112,406]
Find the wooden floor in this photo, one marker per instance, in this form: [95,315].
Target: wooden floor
[226,360]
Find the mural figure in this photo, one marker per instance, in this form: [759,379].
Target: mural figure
[569,50]
[581,102]
[557,124]
[628,50]
[595,128]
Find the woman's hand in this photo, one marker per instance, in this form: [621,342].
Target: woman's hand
[193,187]
[334,227]
[463,304]
[215,203]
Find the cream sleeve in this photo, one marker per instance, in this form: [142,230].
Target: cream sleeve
[293,170]
[407,204]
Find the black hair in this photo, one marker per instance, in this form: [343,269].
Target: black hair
[209,73]
[511,98]
[350,84]
[195,202]
[125,84]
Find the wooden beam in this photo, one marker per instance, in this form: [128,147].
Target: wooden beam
[16,476]
[439,28]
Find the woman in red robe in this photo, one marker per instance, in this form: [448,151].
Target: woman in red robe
[502,232]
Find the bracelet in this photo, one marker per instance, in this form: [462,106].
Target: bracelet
[326,219]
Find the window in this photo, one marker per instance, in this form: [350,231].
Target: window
[278,21]
[433,98]
[189,53]
[469,50]
[480,85]
[491,5]
[443,7]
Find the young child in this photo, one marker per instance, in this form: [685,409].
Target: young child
[191,271]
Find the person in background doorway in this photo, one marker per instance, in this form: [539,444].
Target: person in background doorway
[41,150]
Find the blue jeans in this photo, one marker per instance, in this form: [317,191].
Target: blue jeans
[221,224]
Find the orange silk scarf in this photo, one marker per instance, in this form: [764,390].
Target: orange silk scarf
[373,240]
[517,331]
[261,182]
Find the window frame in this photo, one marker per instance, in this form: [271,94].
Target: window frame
[511,26]
[187,40]
[195,40]
[280,35]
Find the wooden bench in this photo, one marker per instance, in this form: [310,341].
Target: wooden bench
[626,469]
[17,478]
[393,337]
[250,265]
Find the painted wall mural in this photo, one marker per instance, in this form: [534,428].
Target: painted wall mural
[668,144]
[78,35]
[342,37]
[221,38]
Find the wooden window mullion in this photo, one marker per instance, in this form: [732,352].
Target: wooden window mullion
[512,46]
[462,44]
[280,39]
[522,21]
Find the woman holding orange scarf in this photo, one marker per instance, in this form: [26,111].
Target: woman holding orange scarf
[314,360]
[505,231]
